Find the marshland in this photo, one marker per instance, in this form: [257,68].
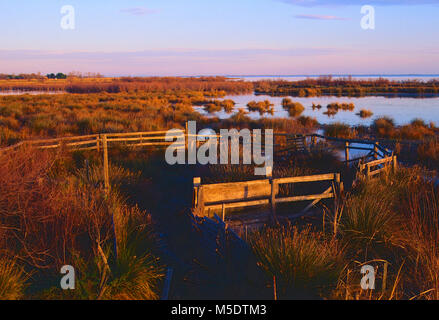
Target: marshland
[143,238]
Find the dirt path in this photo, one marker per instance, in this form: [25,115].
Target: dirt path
[209,262]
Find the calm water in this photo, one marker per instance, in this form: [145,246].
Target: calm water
[33,93]
[402,110]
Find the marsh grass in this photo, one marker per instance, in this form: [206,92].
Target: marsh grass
[304,263]
[340,130]
[66,219]
[13,279]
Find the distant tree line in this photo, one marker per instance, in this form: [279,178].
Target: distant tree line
[39,76]
[59,75]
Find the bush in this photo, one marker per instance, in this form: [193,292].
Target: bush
[365,113]
[294,109]
[384,127]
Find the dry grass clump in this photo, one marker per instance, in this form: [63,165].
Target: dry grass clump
[365,113]
[428,154]
[262,107]
[303,262]
[340,130]
[336,106]
[294,109]
[218,105]
[12,279]
[316,106]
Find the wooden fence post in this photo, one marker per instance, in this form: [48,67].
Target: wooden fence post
[375,149]
[106,173]
[347,153]
[314,141]
[273,199]
[186,137]
[395,164]
[197,183]
[200,200]
[337,183]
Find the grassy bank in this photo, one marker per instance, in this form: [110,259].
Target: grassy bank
[390,223]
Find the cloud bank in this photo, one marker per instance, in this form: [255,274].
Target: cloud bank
[314,3]
[177,62]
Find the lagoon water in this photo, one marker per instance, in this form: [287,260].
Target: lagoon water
[33,93]
[402,110]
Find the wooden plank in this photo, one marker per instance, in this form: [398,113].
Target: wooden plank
[306,198]
[240,204]
[136,139]
[375,172]
[136,133]
[224,192]
[48,147]
[380,161]
[73,144]
[55,140]
[152,144]
[315,178]
[360,148]
[312,204]
[12,147]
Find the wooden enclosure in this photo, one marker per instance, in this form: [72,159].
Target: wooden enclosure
[213,197]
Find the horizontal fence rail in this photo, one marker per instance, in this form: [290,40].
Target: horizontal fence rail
[223,196]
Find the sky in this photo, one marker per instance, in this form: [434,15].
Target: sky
[219,37]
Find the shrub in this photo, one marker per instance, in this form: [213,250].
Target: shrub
[294,109]
[384,127]
[262,107]
[365,113]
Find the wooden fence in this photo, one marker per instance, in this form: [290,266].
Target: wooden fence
[99,142]
[289,143]
[208,198]
[373,168]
